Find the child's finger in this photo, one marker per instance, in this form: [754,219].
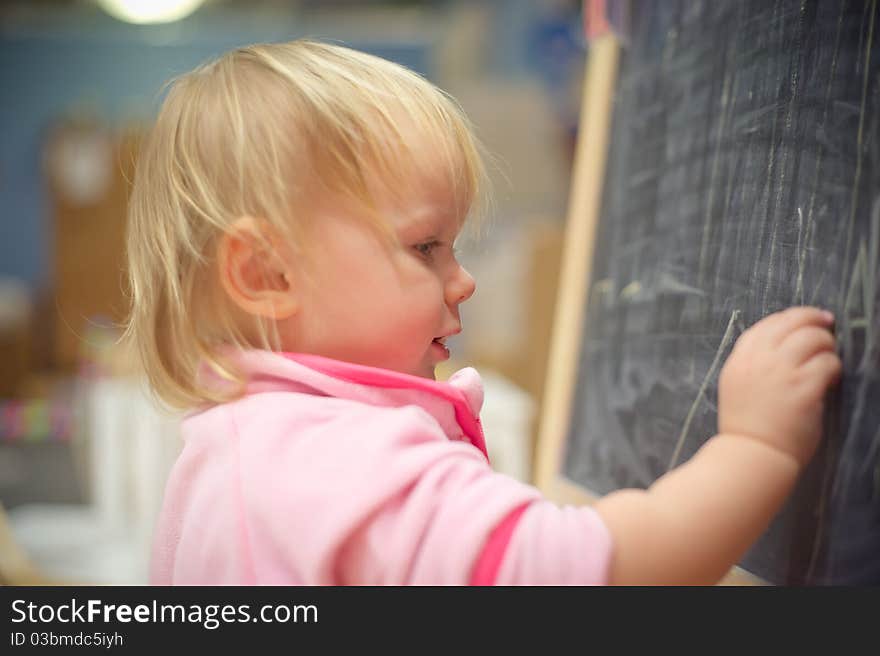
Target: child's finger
[824,367]
[781,324]
[804,343]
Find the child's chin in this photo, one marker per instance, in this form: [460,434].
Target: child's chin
[422,371]
[428,372]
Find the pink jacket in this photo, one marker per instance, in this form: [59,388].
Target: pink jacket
[331,473]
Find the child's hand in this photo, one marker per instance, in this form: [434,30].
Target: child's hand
[773,385]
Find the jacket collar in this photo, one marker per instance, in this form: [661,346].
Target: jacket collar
[455,404]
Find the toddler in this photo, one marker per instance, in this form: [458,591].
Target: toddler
[294,282]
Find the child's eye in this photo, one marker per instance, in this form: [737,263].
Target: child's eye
[426,249]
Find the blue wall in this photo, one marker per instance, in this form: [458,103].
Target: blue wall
[53,64]
[117,71]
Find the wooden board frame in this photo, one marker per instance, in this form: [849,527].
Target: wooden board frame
[585,204]
[577,254]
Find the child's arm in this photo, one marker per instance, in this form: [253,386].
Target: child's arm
[698,520]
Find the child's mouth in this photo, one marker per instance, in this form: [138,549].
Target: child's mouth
[440,343]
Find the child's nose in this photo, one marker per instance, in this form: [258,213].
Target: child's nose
[461,287]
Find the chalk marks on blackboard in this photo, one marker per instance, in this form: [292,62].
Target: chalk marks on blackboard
[858,305]
[726,104]
[631,290]
[820,152]
[859,312]
[860,144]
[801,258]
[744,161]
[789,158]
[710,376]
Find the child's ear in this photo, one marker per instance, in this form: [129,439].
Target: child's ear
[252,270]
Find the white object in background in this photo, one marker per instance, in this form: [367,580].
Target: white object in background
[71,544]
[15,304]
[80,160]
[154,443]
[495,324]
[107,415]
[507,418]
[130,446]
[133,444]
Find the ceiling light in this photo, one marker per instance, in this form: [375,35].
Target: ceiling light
[150,11]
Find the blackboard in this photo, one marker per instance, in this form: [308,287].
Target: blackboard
[743,176]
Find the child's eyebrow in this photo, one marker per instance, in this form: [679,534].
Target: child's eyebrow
[433,220]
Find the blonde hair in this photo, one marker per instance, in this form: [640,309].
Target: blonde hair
[255,133]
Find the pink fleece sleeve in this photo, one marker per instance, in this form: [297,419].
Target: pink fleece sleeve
[446,518]
[380,496]
[556,546]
